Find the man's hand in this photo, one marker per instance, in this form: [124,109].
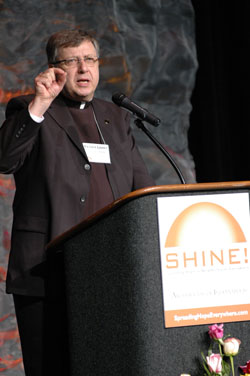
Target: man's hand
[48,85]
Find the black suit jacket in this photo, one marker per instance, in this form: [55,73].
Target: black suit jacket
[52,176]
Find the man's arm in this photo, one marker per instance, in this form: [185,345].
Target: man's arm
[19,131]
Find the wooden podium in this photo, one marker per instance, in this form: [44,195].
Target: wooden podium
[114,293]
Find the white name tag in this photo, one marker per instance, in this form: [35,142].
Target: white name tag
[97,153]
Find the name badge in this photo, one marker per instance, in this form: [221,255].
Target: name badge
[97,153]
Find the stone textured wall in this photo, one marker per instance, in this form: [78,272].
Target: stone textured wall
[147,52]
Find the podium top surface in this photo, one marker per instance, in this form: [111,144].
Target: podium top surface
[158,189]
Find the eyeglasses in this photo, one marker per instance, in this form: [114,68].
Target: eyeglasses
[75,61]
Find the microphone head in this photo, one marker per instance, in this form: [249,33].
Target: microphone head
[117,98]
[121,100]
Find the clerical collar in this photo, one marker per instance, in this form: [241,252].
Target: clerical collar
[76,104]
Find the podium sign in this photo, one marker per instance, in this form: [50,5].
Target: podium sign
[205,258]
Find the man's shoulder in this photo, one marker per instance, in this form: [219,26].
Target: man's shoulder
[102,102]
[25,99]
[18,103]
[108,106]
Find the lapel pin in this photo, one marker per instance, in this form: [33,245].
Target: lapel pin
[106,121]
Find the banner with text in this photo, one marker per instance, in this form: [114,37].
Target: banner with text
[204,243]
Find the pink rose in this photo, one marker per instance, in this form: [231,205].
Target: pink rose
[214,363]
[216,331]
[231,346]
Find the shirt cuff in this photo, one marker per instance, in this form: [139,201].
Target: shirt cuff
[37,119]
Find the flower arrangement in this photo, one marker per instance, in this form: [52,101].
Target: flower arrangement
[217,363]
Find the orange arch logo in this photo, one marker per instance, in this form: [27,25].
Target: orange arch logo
[204,223]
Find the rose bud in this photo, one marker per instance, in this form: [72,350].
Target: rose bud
[231,346]
[216,331]
[214,363]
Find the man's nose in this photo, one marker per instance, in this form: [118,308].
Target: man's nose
[82,66]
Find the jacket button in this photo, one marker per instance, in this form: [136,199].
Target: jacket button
[87,167]
[82,199]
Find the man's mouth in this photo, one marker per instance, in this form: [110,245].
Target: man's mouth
[83,81]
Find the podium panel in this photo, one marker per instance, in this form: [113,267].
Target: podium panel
[114,295]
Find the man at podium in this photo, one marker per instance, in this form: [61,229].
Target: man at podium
[71,154]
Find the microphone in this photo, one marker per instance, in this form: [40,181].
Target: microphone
[142,114]
[123,101]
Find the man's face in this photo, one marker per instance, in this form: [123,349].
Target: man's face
[82,79]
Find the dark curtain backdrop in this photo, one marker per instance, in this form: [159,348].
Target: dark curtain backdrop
[220,119]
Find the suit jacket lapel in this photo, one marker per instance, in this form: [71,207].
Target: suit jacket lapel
[106,122]
[61,114]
